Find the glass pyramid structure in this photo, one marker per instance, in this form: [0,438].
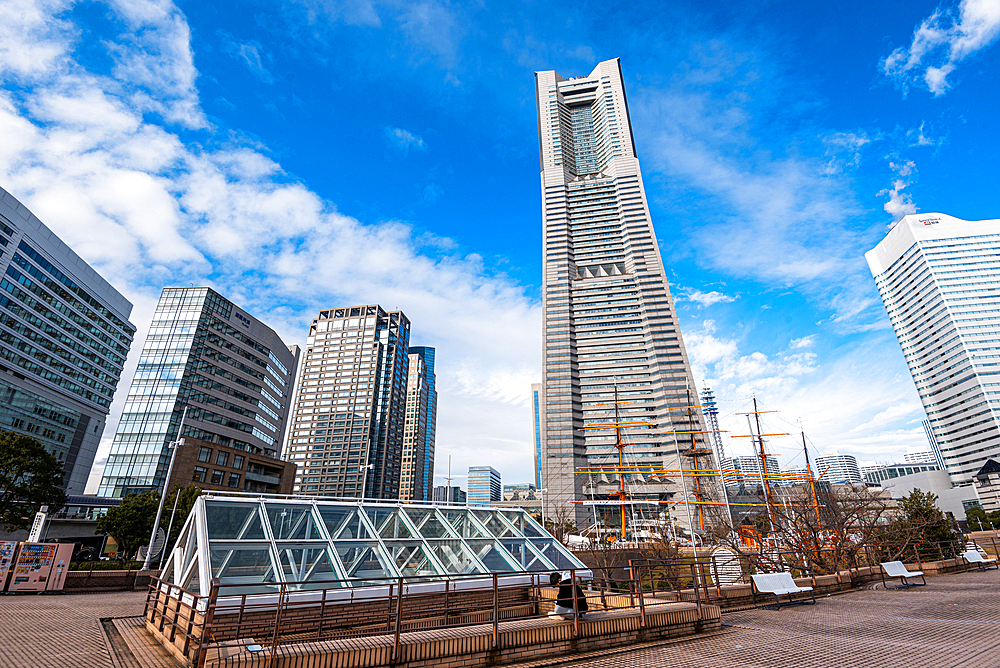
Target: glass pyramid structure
[323,543]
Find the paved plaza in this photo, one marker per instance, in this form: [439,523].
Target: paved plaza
[951,622]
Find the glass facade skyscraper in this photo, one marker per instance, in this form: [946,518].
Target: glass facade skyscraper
[485,487]
[232,373]
[609,319]
[350,405]
[419,427]
[537,405]
[64,337]
[937,276]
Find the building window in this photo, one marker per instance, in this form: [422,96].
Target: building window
[238,462]
[217,476]
[199,474]
[221,458]
[204,454]
[234,479]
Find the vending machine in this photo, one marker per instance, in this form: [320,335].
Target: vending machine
[41,567]
[8,553]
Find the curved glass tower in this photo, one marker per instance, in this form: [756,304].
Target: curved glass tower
[609,319]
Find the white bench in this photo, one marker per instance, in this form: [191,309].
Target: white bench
[974,557]
[896,569]
[778,584]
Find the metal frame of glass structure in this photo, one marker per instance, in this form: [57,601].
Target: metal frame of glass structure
[327,543]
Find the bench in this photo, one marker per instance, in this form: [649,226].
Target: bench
[778,584]
[974,557]
[896,569]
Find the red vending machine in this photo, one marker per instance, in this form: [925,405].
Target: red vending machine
[8,553]
[41,567]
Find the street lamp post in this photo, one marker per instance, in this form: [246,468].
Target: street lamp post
[163,497]
[364,479]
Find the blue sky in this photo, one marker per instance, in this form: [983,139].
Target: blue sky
[315,153]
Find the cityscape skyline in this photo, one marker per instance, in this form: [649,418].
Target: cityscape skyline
[220,174]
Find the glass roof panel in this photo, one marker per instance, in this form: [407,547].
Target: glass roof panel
[343,522]
[455,556]
[291,522]
[492,556]
[242,563]
[463,524]
[554,552]
[525,556]
[523,523]
[411,558]
[308,562]
[233,520]
[428,524]
[497,526]
[364,560]
[389,523]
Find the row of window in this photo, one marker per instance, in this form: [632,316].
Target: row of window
[200,473]
[221,458]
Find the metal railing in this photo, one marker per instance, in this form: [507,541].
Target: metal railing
[296,612]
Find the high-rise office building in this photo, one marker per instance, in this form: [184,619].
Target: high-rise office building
[747,471]
[429,356]
[232,373]
[538,421]
[445,494]
[609,318]
[64,336]
[837,468]
[418,427]
[350,404]
[485,487]
[937,276]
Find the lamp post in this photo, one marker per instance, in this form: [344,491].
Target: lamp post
[163,497]
[364,479]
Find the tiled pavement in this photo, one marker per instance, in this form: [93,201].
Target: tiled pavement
[953,621]
[60,630]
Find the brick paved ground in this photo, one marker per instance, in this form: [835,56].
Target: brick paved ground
[60,630]
[951,622]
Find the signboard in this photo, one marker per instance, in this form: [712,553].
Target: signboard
[35,534]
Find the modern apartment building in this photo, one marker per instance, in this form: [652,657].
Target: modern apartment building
[537,423]
[937,276]
[484,486]
[920,456]
[232,374]
[419,424]
[350,404]
[445,494]
[747,471]
[609,319]
[64,337]
[834,467]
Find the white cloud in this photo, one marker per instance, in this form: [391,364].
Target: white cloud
[861,401]
[405,140]
[900,203]
[149,208]
[941,41]
[249,53]
[703,299]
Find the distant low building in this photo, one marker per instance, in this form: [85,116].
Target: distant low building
[524,491]
[877,474]
[987,484]
[929,478]
[444,494]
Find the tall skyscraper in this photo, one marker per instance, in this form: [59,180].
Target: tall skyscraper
[429,355]
[418,427]
[234,376]
[64,336]
[485,487]
[609,319]
[537,412]
[350,405]
[937,276]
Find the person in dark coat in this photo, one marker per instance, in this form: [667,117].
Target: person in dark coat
[564,601]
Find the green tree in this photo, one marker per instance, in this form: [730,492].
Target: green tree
[184,505]
[922,525]
[131,523]
[30,477]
